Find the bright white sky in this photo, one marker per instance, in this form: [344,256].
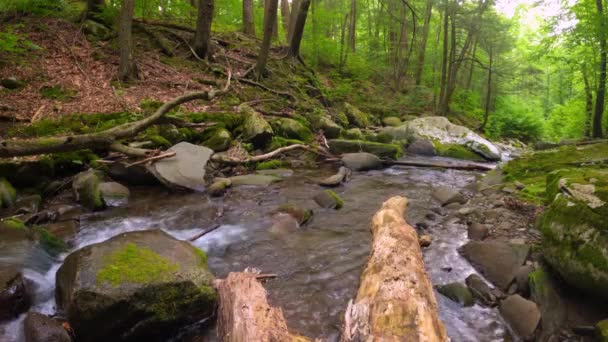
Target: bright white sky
[536,11]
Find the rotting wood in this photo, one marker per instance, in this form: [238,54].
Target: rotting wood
[463,166]
[244,313]
[395,300]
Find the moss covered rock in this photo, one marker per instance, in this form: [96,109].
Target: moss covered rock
[341,146]
[328,126]
[458,293]
[392,121]
[329,199]
[134,286]
[255,129]
[291,129]
[353,134]
[86,189]
[218,139]
[355,116]
[8,195]
[456,151]
[300,214]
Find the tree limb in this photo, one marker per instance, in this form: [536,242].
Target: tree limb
[261,157]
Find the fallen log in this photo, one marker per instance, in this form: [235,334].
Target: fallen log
[395,301]
[244,313]
[417,163]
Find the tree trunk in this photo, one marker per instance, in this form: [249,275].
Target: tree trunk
[203,28]
[486,114]
[425,36]
[293,17]
[444,57]
[395,301]
[270,21]
[285,17]
[244,313]
[601,88]
[471,68]
[298,29]
[588,102]
[94,7]
[248,23]
[127,69]
[352,25]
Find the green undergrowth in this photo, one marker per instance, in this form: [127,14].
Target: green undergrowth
[270,164]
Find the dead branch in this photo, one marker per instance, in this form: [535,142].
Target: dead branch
[204,232]
[465,166]
[261,157]
[153,158]
[132,151]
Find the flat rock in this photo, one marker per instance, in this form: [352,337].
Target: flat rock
[361,161]
[184,170]
[521,314]
[255,179]
[114,194]
[337,179]
[497,261]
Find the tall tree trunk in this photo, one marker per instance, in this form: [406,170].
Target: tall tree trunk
[352,26]
[588,102]
[93,7]
[127,70]
[275,25]
[437,78]
[270,21]
[203,28]
[601,88]
[471,68]
[285,16]
[298,29]
[486,113]
[444,57]
[343,54]
[293,17]
[248,23]
[423,40]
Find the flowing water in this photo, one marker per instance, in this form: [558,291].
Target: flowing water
[318,266]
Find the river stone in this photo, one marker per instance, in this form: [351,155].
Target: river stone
[440,129]
[329,199]
[497,261]
[184,170]
[337,179]
[254,179]
[85,186]
[422,147]
[292,129]
[300,214]
[521,279]
[219,187]
[8,194]
[114,194]
[280,173]
[28,204]
[256,129]
[521,314]
[42,328]
[553,310]
[458,293]
[481,290]
[477,231]
[361,161]
[14,293]
[135,286]
[132,175]
[447,195]
[355,116]
[342,146]
[219,140]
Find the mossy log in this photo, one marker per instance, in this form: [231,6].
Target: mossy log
[395,301]
[244,313]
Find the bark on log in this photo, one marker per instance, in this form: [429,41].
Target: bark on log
[395,301]
[244,313]
[458,166]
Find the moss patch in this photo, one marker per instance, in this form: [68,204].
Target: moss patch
[57,93]
[456,151]
[270,164]
[50,243]
[14,223]
[135,265]
[336,197]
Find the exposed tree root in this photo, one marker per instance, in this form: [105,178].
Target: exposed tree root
[158,39]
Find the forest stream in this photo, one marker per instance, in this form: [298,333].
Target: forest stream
[318,266]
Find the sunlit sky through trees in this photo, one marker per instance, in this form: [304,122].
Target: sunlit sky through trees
[534,13]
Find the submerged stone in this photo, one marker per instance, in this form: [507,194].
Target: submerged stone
[329,199]
[458,293]
[254,179]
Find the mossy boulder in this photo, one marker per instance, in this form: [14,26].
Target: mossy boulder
[255,129]
[96,29]
[341,146]
[8,194]
[328,126]
[291,129]
[300,214]
[219,187]
[86,189]
[457,152]
[458,293]
[353,134]
[392,121]
[575,230]
[134,286]
[218,139]
[329,199]
[355,116]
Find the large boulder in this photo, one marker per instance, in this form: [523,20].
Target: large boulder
[497,261]
[553,310]
[521,314]
[575,230]
[134,286]
[185,170]
[355,116]
[14,293]
[256,129]
[292,129]
[440,129]
[85,186]
[41,328]
[361,161]
[341,146]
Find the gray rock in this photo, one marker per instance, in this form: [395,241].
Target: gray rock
[497,261]
[255,179]
[458,293]
[521,279]
[447,195]
[85,186]
[422,147]
[219,187]
[135,286]
[343,146]
[329,199]
[185,170]
[477,231]
[337,179]
[132,175]
[481,290]
[42,328]
[361,161]
[114,194]
[553,309]
[14,293]
[521,314]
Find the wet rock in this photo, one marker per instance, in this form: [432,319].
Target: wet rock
[42,328]
[458,293]
[15,296]
[422,147]
[12,83]
[425,240]
[465,211]
[133,175]
[280,173]
[553,311]
[28,204]
[8,194]
[353,134]
[85,186]
[521,314]
[361,161]
[481,290]
[342,146]
[292,129]
[447,195]
[64,230]
[219,187]
[392,121]
[355,116]
[134,286]
[497,261]
[301,215]
[477,231]
[254,179]
[337,179]
[521,279]
[114,194]
[219,140]
[256,129]
[283,224]
[329,199]
[185,170]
